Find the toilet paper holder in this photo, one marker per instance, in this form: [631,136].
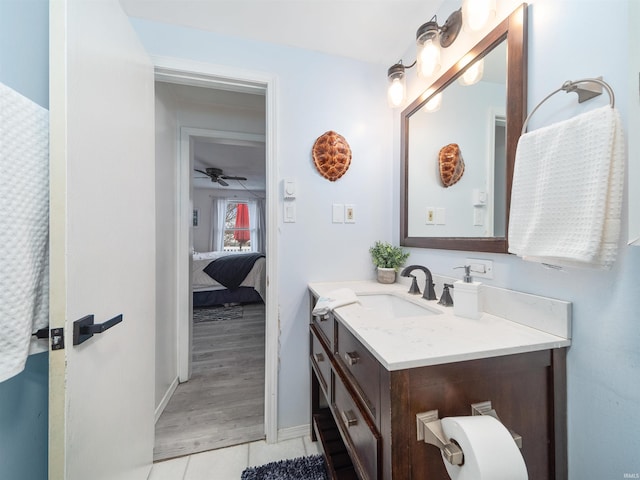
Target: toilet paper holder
[485,408]
[429,429]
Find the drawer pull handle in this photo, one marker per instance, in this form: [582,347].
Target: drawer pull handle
[319,357]
[351,357]
[349,418]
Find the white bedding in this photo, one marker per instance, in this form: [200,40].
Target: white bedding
[202,282]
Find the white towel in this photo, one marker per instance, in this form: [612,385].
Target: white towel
[334,299]
[566,198]
[24,229]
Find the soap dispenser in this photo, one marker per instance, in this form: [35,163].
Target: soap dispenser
[467,296]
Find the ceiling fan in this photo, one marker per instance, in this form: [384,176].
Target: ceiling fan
[216,175]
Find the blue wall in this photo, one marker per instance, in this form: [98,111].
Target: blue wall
[24,66]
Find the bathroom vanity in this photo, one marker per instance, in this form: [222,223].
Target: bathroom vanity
[378,363]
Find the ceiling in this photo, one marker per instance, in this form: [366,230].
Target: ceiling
[247,161]
[375,31]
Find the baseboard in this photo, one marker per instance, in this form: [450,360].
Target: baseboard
[165,399]
[293,432]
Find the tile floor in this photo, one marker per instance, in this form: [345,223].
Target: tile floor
[228,463]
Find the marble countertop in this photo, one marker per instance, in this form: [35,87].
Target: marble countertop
[417,341]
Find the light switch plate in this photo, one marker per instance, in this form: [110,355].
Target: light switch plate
[290,212]
[478,216]
[440,216]
[289,188]
[338,213]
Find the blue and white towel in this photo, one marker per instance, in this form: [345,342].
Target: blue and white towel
[566,198]
[24,229]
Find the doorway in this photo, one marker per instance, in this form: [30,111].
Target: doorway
[184,214]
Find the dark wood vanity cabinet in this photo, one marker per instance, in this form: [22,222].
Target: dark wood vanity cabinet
[369,413]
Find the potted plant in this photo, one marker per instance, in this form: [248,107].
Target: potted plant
[388,259]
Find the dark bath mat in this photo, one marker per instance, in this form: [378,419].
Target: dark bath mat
[303,468]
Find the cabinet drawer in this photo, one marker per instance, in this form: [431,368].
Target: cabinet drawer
[325,325]
[320,361]
[361,438]
[362,365]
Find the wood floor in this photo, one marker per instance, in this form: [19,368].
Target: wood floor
[223,402]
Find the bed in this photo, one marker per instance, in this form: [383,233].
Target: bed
[220,278]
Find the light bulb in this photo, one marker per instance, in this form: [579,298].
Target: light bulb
[473,74]
[434,104]
[428,59]
[476,13]
[396,92]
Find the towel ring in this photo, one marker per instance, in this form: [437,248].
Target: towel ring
[584,94]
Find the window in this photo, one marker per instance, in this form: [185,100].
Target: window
[237,228]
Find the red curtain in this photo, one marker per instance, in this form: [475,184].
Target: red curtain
[242,221]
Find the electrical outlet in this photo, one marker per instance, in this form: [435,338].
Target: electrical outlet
[431,216]
[480,268]
[349,214]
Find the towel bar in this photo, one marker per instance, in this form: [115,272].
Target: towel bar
[584,93]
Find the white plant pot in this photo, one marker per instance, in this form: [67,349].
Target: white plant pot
[386,275]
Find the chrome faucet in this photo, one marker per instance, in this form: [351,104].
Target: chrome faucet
[429,291]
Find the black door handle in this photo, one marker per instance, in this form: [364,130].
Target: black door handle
[85,328]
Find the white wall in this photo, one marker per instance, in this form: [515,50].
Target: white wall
[166,239]
[202,233]
[604,360]
[315,93]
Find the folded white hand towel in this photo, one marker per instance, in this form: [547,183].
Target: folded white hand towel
[566,198]
[334,299]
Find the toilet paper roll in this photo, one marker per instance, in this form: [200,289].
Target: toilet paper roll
[489,450]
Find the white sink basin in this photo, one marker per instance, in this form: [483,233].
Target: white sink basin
[392,306]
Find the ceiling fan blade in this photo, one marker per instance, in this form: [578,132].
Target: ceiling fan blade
[228,177]
[200,171]
[222,182]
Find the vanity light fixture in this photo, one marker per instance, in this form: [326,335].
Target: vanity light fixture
[476,13]
[430,37]
[473,74]
[397,91]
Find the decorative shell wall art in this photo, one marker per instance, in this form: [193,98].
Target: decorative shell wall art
[331,155]
[451,164]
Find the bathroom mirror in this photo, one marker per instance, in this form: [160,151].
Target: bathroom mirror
[484,119]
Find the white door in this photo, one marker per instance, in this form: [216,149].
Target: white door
[102,243]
